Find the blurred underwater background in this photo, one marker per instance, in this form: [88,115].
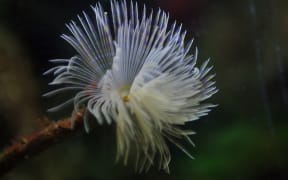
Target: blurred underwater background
[245,137]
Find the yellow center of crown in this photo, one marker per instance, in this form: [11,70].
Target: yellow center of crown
[124,93]
[125,98]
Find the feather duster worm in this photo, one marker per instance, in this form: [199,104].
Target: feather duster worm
[139,74]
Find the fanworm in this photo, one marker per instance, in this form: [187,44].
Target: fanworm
[138,73]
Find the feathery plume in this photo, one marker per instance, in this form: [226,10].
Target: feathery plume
[136,72]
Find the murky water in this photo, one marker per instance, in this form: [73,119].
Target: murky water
[245,137]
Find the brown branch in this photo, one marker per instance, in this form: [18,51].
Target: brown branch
[38,141]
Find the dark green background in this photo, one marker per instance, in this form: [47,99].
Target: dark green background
[245,137]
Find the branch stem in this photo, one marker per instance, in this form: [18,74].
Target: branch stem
[30,145]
